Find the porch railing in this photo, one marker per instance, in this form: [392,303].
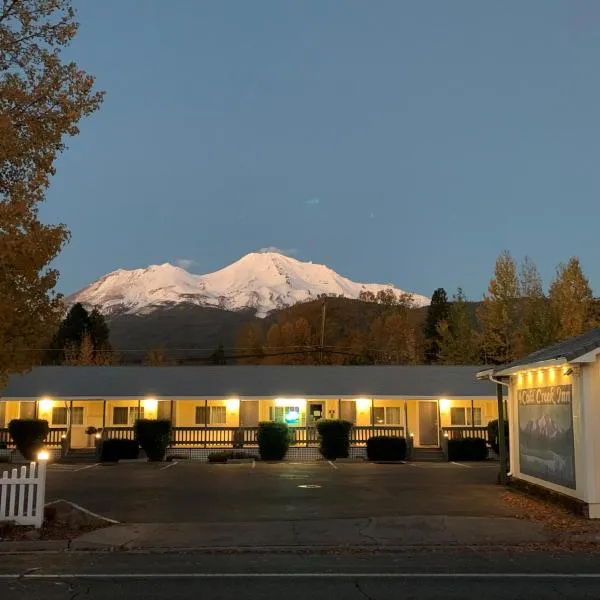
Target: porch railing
[247,436]
[54,437]
[459,433]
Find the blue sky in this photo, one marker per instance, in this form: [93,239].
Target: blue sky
[404,142]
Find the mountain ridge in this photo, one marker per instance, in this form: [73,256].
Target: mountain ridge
[260,281]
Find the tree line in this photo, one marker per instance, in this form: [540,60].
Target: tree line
[515,317]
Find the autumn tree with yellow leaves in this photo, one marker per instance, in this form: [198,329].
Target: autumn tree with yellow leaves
[42,99]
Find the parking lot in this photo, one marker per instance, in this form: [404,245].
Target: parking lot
[194,491]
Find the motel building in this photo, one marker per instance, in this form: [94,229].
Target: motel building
[554,419]
[221,406]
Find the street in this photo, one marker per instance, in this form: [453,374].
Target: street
[451,574]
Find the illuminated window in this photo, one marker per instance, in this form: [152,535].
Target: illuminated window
[460,416]
[59,415]
[77,415]
[123,415]
[216,415]
[389,415]
[286,414]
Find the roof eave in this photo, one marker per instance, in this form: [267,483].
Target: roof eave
[554,362]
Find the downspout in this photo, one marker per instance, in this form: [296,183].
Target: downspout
[503,450]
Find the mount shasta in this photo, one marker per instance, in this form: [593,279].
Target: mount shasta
[260,281]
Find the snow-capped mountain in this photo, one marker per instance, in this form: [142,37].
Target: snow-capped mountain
[544,427]
[263,281]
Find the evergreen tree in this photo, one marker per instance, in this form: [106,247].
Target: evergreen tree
[498,315]
[42,97]
[458,341]
[571,300]
[436,312]
[250,343]
[218,356]
[536,324]
[98,330]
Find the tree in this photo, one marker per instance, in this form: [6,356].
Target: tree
[571,300]
[457,339]
[42,99]
[77,328]
[250,342]
[536,324]
[436,312]
[498,315]
[218,356]
[156,357]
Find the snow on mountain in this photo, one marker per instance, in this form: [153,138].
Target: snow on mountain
[263,281]
[544,426]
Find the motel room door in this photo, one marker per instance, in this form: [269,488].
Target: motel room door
[428,423]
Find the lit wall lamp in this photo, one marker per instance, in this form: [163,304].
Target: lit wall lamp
[363,404]
[444,404]
[46,404]
[150,404]
[233,404]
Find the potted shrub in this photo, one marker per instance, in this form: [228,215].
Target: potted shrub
[153,435]
[28,435]
[273,440]
[334,437]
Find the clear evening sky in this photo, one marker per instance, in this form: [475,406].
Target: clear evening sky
[404,142]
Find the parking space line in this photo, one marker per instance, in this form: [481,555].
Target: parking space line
[86,467]
[171,464]
[253,464]
[332,465]
[461,465]
[84,510]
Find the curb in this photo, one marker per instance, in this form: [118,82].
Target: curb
[34,546]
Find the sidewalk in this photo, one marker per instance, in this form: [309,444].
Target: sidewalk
[373,532]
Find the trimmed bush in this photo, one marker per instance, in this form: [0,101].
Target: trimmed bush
[115,450]
[386,447]
[222,456]
[273,440]
[467,449]
[492,429]
[28,435]
[334,438]
[153,435]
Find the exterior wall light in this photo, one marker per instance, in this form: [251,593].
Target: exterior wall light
[43,455]
[444,404]
[150,404]
[363,404]
[232,404]
[46,405]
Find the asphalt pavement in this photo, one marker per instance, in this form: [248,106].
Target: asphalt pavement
[448,574]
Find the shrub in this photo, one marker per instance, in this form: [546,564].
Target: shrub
[115,450]
[91,430]
[334,438]
[492,429]
[28,435]
[386,447]
[222,456]
[153,436]
[273,440]
[467,449]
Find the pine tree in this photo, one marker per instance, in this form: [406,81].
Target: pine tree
[98,330]
[436,312]
[536,324]
[218,356]
[571,300]
[458,341]
[498,315]
[42,99]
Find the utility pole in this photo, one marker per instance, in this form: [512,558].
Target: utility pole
[323,312]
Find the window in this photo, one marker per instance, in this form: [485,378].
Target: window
[59,415]
[120,415]
[126,415]
[217,415]
[388,415]
[286,414]
[77,415]
[460,416]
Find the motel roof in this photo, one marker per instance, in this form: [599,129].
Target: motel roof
[579,349]
[421,381]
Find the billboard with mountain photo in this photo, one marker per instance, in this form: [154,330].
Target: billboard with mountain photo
[546,445]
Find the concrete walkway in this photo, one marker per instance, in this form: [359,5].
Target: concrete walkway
[361,532]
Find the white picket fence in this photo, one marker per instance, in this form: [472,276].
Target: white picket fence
[22,495]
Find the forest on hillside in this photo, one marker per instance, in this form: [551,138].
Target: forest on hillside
[515,317]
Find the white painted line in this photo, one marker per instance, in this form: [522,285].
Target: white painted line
[332,465]
[171,464]
[85,510]
[86,467]
[253,464]
[460,465]
[27,575]
[411,464]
